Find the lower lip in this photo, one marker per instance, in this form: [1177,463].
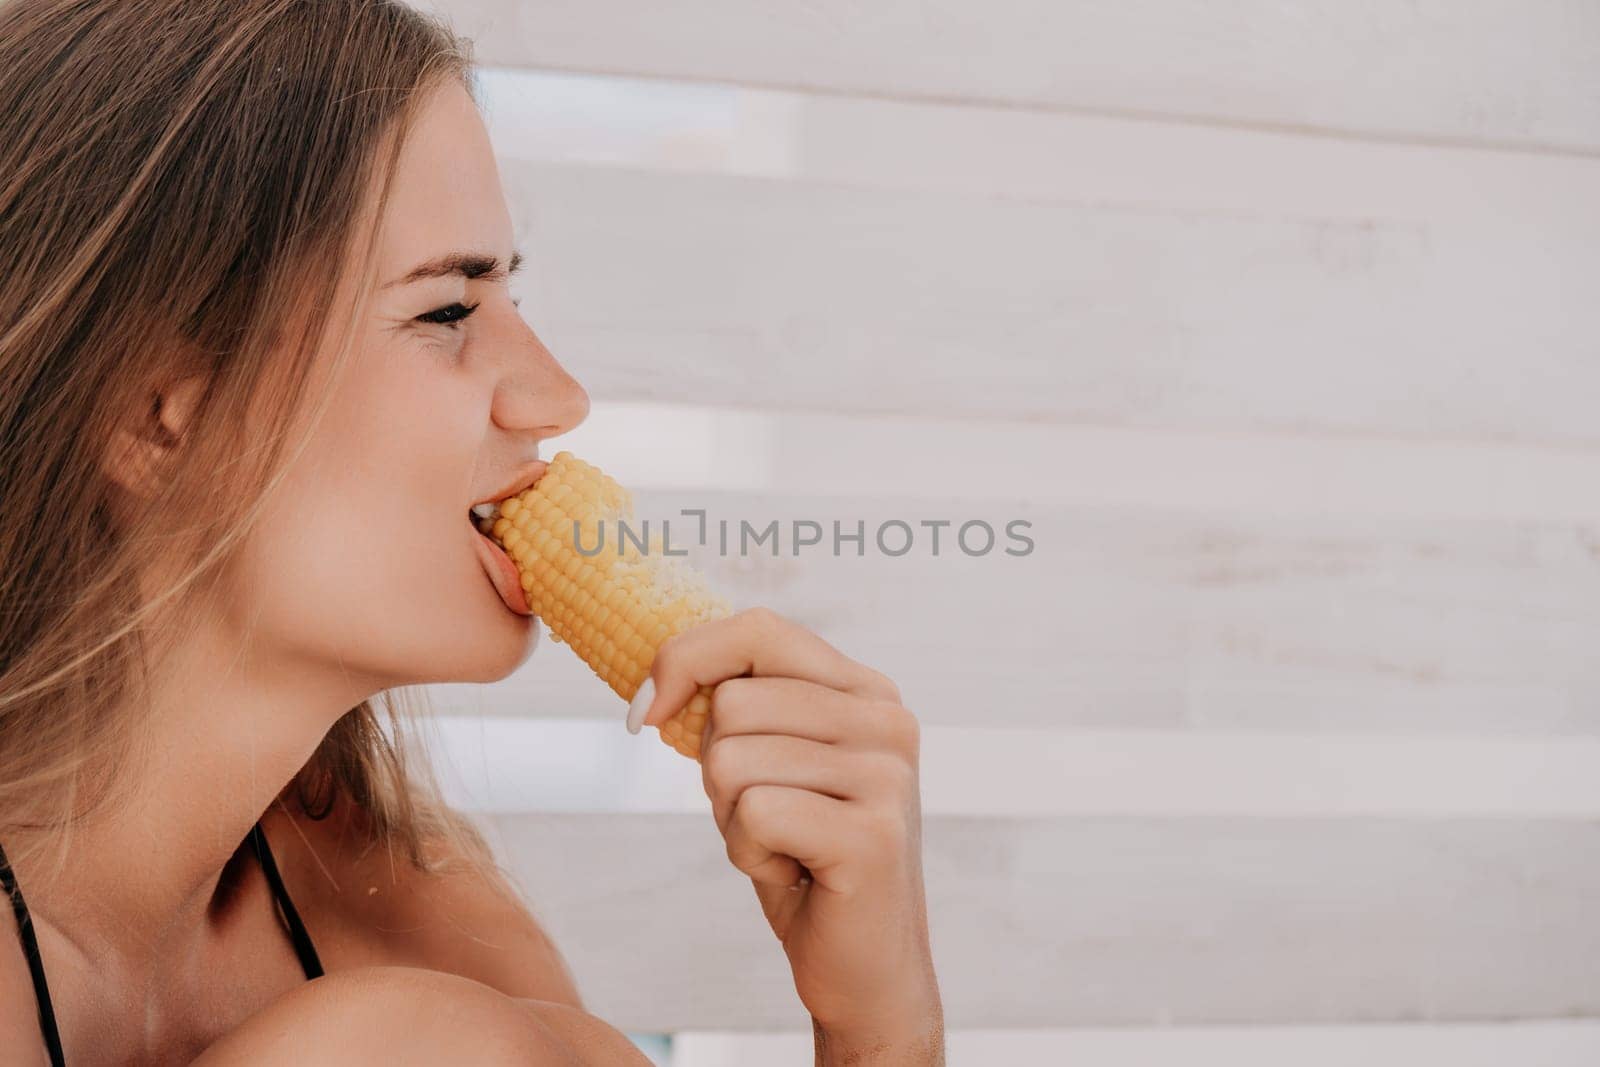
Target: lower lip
[502,573]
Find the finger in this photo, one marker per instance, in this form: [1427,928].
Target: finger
[776,833]
[756,642]
[736,764]
[803,709]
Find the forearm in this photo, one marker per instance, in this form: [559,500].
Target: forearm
[914,1043]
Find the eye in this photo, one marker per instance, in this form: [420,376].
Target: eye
[451,315]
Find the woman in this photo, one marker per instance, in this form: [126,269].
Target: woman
[257,360]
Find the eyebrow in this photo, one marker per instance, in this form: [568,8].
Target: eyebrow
[472,265]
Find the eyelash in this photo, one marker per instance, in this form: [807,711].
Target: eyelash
[465,311]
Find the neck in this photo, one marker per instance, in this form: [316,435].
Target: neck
[224,728]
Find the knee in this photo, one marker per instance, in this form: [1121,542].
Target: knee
[393,1014]
[439,1017]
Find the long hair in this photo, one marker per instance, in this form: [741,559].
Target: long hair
[180,183]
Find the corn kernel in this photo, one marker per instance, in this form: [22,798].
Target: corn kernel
[614,610]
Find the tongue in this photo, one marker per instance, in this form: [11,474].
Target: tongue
[503,573]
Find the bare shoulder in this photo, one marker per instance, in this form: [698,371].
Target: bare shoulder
[404,1015]
[366,905]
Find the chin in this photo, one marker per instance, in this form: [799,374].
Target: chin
[467,634]
[504,647]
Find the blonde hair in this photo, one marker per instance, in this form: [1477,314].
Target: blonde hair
[180,183]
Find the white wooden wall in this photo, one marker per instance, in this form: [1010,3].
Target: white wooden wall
[1277,321]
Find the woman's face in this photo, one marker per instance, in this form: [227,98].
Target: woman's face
[366,563]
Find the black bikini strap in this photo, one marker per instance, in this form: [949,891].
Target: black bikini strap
[303,948]
[30,949]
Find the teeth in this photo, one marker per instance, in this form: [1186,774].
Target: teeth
[484,516]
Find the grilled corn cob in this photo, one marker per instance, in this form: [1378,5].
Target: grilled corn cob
[615,606]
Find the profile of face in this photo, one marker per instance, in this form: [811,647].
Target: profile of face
[365,564]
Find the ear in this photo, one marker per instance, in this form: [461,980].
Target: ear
[144,447]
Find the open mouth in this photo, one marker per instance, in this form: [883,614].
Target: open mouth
[483,515]
[501,569]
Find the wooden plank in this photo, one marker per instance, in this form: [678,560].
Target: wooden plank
[1142,620]
[510,765]
[697,127]
[1105,922]
[1562,1043]
[1231,476]
[1485,71]
[710,289]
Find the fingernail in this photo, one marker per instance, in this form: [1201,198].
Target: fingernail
[640,704]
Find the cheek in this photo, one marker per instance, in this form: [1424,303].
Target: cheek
[390,467]
[375,582]
[370,559]
[328,592]
[383,525]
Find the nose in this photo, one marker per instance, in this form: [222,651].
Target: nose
[536,394]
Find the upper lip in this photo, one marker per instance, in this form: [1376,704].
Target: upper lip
[529,475]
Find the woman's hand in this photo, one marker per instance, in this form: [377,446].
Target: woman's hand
[810,761]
